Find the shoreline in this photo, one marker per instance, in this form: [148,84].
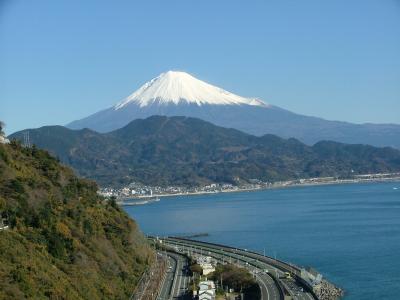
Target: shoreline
[272,187]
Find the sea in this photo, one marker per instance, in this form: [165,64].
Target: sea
[350,233]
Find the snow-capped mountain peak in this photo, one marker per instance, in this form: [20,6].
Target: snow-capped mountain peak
[174,87]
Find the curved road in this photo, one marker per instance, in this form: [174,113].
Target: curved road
[176,281]
[276,269]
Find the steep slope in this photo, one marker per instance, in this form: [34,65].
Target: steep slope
[186,151]
[64,241]
[180,94]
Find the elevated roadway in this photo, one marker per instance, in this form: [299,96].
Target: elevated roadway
[270,273]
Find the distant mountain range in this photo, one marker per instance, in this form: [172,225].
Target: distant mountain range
[163,150]
[180,94]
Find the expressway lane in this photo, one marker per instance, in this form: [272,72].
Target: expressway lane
[181,279]
[166,288]
[267,283]
[176,282]
[290,287]
[269,290]
[265,294]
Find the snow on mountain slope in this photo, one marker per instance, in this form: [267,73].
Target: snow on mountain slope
[180,94]
[174,87]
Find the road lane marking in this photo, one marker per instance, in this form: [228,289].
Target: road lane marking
[263,283]
[179,270]
[174,280]
[236,255]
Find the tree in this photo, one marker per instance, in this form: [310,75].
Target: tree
[2,125]
[196,268]
[113,202]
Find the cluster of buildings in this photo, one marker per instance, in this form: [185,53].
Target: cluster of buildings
[138,190]
[206,263]
[206,291]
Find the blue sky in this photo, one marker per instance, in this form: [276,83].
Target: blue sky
[63,60]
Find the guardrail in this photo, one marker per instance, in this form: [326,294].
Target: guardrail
[281,288]
[283,266]
[286,266]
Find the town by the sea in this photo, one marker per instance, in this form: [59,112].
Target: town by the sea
[350,233]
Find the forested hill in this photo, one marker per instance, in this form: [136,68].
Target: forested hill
[63,240]
[188,151]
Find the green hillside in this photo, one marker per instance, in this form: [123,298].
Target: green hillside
[64,241]
[187,151]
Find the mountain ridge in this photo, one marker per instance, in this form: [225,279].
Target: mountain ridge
[163,150]
[222,108]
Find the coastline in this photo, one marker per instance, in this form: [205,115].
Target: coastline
[268,187]
[338,211]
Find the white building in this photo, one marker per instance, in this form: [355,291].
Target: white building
[3,140]
[206,295]
[205,262]
[206,290]
[207,268]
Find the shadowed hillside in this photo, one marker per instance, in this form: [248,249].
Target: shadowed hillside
[63,240]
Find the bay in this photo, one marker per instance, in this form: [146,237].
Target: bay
[350,233]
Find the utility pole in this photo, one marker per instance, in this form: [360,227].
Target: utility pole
[27,142]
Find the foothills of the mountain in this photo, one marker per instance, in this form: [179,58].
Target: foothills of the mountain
[186,151]
[175,93]
[58,238]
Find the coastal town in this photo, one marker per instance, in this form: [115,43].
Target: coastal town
[137,190]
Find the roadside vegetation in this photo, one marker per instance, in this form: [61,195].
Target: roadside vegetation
[228,278]
[63,241]
[238,279]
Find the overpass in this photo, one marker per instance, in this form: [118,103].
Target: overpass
[271,274]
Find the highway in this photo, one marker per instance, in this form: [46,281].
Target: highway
[273,285]
[176,282]
[269,290]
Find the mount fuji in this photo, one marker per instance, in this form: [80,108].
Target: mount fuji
[175,93]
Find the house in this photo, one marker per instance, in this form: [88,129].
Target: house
[3,140]
[206,290]
[206,295]
[207,268]
[205,263]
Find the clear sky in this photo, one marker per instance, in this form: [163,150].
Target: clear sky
[63,60]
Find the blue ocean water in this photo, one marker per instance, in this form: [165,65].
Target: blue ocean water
[350,233]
